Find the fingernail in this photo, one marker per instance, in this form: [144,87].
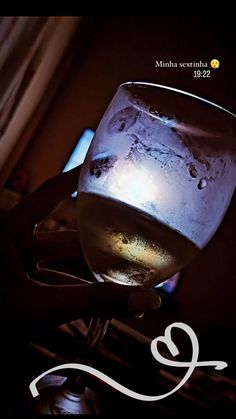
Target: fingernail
[142,301]
[140,315]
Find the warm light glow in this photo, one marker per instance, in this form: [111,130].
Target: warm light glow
[138,250]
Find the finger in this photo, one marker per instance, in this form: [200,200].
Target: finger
[56,245]
[54,277]
[54,305]
[21,219]
[56,250]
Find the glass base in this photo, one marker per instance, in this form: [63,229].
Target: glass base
[54,399]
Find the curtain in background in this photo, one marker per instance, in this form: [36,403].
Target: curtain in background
[21,41]
[33,59]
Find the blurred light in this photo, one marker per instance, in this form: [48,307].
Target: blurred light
[79,152]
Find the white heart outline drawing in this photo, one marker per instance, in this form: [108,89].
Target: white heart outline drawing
[167,340]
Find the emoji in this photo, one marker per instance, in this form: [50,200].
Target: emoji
[215,63]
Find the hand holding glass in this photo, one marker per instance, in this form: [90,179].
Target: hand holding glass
[154,187]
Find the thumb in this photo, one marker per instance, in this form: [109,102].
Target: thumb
[49,305]
[109,299]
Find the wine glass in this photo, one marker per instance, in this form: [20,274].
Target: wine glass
[154,187]
[155,184]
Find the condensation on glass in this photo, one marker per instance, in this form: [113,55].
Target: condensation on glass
[167,153]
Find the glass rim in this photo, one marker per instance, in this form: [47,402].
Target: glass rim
[182,92]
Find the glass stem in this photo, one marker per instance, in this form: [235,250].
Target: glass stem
[97,329]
